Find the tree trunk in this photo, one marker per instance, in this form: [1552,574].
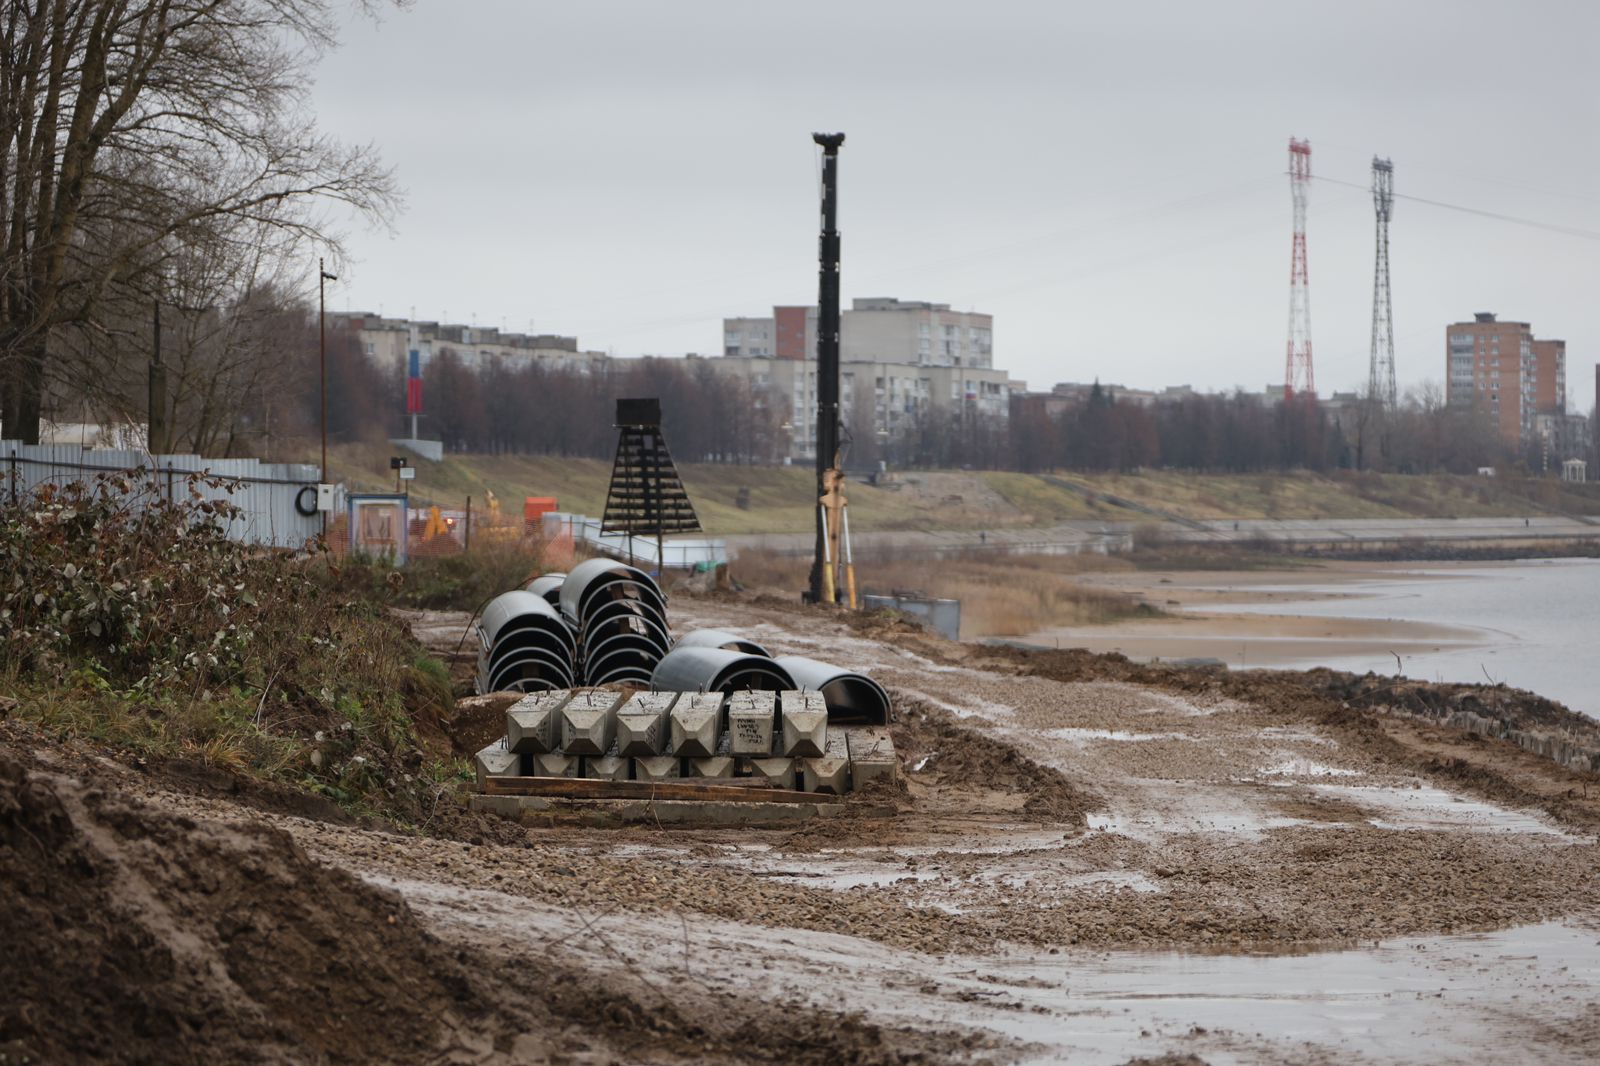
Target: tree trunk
[24,392]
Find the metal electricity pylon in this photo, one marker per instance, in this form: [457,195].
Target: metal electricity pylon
[1380,385]
[1298,376]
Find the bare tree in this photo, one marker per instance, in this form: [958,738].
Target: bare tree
[130,129]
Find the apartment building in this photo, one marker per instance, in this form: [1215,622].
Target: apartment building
[880,328]
[905,359]
[389,341]
[899,394]
[1500,367]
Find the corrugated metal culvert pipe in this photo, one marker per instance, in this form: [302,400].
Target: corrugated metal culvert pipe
[851,697]
[721,638]
[689,669]
[524,645]
[620,617]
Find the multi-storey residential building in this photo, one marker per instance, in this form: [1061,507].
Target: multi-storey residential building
[900,395]
[903,360]
[1500,367]
[884,329]
[388,343]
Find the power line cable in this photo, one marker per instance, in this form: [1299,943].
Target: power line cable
[1570,231]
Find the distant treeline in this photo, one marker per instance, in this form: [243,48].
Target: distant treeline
[539,410]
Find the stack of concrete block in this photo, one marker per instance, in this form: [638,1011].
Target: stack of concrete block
[781,738]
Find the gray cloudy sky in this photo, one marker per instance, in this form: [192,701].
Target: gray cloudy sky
[1108,180]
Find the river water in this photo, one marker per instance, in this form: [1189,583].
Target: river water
[1538,621]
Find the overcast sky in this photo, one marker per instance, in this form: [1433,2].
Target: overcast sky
[1107,180]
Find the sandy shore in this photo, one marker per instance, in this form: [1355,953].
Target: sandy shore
[1191,630]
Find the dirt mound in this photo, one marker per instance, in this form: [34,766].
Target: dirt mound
[478,721]
[136,935]
[931,742]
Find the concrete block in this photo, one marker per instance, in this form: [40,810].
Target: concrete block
[871,755]
[656,768]
[607,767]
[805,723]
[714,766]
[496,760]
[778,771]
[554,764]
[829,772]
[642,723]
[531,722]
[694,723]
[589,722]
[750,723]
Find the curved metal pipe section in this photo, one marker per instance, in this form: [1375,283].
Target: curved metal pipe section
[548,586]
[619,619]
[851,697]
[610,579]
[639,654]
[525,645]
[721,638]
[515,605]
[621,659]
[531,671]
[691,669]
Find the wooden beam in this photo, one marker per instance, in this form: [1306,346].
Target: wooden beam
[747,790]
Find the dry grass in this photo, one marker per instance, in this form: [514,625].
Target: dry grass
[1001,595]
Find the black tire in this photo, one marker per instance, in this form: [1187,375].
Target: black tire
[300,501]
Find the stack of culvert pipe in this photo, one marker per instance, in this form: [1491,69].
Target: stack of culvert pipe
[620,618]
[525,646]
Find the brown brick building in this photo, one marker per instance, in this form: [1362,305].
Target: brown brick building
[1502,368]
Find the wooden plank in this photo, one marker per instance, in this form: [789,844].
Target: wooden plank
[748,790]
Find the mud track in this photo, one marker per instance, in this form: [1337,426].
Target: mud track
[1089,859]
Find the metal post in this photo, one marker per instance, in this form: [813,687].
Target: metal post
[822,591]
[323,277]
[156,434]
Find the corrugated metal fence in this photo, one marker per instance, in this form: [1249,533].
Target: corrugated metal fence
[683,553]
[267,491]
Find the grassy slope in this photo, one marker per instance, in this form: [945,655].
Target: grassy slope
[962,500]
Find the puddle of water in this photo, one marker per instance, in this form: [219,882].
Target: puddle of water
[1470,998]
[1297,766]
[1150,827]
[1084,735]
[1426,807]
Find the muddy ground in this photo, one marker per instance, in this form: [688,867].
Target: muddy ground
[1090,860]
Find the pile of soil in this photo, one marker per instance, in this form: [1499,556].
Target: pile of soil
[963,761]
[137,935]
[134,933]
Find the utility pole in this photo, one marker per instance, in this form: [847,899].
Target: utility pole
[323,277]
[156,430]
[1380,383]
[1298,377]
[822,585]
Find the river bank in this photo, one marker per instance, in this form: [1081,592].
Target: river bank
[1529,624]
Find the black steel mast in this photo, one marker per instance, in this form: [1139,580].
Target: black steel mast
[827,341]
